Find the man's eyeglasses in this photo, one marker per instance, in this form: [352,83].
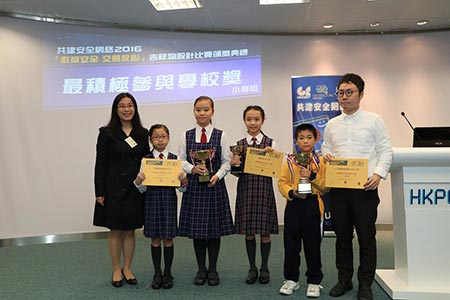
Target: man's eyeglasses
[347,93]
[157,137]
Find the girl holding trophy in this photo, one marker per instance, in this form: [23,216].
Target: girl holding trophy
[256,211]
[205,209]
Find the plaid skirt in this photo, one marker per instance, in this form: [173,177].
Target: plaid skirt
[160,212]
[256,210]
[205,211]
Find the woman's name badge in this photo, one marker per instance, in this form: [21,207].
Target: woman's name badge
[131,142]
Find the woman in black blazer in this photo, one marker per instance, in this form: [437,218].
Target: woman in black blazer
[119,205]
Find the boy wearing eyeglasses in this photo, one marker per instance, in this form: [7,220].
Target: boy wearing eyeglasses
[356,133]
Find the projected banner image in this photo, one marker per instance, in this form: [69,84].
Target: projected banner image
[86,72]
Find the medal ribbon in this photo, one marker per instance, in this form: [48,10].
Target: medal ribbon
[314,165]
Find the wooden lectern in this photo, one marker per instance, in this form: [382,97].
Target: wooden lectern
[420,179]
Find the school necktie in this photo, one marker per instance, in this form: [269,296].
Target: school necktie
[254,142]
[203,136]
[161,156]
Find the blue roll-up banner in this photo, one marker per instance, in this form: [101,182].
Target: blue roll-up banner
[314,101]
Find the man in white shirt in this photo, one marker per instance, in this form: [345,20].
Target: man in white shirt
[356,134]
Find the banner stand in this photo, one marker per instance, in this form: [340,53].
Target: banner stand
[314,101]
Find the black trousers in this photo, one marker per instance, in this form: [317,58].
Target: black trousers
[303,223]
[352,208]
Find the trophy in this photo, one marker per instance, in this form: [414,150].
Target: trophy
[304,160]
[202,156]
[236,166]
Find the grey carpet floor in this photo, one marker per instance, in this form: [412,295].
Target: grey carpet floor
[82,270]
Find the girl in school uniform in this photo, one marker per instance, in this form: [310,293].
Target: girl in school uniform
[205,210]
[256,211]
[160,210]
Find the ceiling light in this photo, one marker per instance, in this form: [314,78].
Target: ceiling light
[272,2]
[328,25]
[375,24]
[422,22]
[175,4]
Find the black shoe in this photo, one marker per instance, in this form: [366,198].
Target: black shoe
[200,278]
[117,283]
[131,281]
[365,293]
[264,276]
[213,279]
[252,276]
[167,281]
[157,281]
[340,288]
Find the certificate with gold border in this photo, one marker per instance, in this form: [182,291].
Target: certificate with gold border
[350,173]
[259,162]
[161,172]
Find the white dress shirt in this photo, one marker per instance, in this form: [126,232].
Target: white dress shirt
[362,134]
[225,157]
[156,153]
[259,138]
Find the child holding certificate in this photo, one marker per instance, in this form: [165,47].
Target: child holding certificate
[256,211]
[205,209]
[303,215]
[160,210]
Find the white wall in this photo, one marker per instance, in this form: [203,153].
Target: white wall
[47,156]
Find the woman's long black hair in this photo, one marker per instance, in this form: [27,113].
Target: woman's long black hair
[114,125]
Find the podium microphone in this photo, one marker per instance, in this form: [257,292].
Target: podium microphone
[417,141]
[404,116]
